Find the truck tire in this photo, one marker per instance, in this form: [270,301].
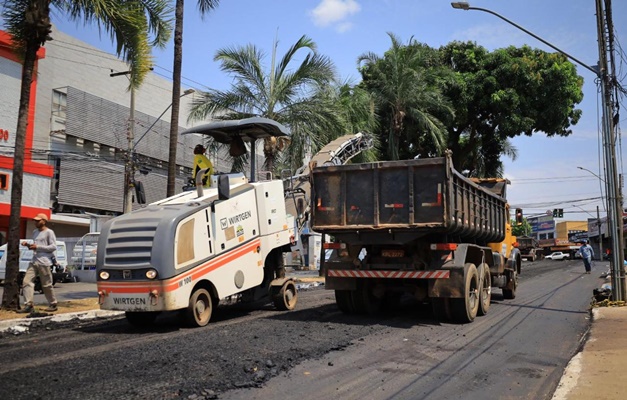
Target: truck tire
[199,310]
[465,309]
[485,289]
[286,298]
[364,301]
[344,301]
[509,291]
[140,319]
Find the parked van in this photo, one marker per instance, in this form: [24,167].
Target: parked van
[26,256]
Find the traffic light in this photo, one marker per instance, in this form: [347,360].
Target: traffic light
[519,216]
[555,213]
[560,213]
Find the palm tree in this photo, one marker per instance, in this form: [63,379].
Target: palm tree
[129,22]
[296,96]
[405,86]
[204,7]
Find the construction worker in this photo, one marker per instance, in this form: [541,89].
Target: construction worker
[202,162]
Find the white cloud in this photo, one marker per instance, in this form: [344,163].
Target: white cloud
[330,12]
[344,27]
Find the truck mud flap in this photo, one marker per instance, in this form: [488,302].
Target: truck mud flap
[451,287]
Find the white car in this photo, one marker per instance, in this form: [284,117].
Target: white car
[558,255]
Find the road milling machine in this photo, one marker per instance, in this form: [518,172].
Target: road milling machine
[189,251]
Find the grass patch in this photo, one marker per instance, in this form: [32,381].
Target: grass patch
[63,307]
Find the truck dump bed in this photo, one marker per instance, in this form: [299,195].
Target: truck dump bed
[422,195]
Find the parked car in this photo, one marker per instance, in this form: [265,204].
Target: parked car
[59,272]
[558,255]
[84,253]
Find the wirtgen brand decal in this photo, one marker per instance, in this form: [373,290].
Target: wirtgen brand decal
[226,222]
[240,217]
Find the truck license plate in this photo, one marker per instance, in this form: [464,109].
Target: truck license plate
[393,253]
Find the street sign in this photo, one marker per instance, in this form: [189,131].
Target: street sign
[549,212]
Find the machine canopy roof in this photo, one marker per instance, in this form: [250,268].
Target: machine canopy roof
[249,129]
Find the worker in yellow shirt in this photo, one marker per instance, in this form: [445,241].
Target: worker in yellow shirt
[202,162]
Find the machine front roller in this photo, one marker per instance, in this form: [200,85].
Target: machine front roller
[200,308]
[286,297]
[141,319]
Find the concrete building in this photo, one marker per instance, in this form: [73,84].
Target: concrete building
[77,139]
[37,172]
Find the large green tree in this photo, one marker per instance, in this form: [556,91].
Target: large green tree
[406,86]
[294,94]
[134,25]
[503,94]
[204,6]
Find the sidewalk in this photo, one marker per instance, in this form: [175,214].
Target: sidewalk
[598,371]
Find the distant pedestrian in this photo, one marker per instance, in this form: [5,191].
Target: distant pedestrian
[43,246]
[586,254]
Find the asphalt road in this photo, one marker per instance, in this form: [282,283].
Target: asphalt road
[518,351]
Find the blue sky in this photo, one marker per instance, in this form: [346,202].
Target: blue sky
[545,174]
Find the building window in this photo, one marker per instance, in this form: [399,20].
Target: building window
[59,103]
[4,181]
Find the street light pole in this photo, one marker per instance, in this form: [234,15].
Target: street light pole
[133,146]
[185,93]
[614,202]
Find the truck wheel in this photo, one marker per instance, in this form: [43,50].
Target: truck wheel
[465,309]
[509,291]
[441,308]
[372,304]
[140,319]
[286,298]
[365,301]
[198,312]
[485,289]
[344,301]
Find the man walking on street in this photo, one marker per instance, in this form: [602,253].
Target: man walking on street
[586,254]
[43,246]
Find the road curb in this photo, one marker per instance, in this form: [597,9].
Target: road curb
[22,324]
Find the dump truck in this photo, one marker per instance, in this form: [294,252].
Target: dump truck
[414,226]
[192,250]
[529,248]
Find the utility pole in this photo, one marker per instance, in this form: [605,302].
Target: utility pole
[129,165]
[600,225]
[614,202]
[127,205]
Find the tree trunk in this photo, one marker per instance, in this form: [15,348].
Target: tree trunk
[11,295]
[176,96]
